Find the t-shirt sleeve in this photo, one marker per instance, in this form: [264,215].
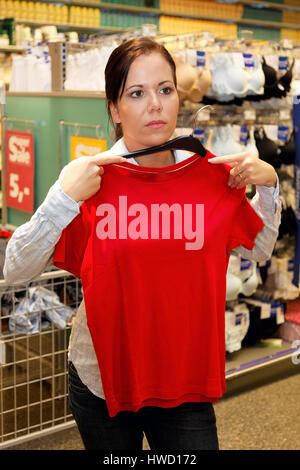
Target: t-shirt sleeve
[70,248]
[246,225]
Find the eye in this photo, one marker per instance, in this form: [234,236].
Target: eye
[136,93]
[167,90]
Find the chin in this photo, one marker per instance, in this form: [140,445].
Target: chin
[157,138]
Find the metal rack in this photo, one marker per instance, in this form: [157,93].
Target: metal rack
[33,367]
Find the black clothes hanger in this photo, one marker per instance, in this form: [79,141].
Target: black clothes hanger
[184,142]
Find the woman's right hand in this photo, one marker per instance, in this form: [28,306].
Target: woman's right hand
[82,179]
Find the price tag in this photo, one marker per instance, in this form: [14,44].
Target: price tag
[200,134]
[204,115]
[243,135]
[283,133]
[284,114]
[20,170]
[279,315]
[282,63]
[250,114]
[200,58]
[265,311]
[248,60]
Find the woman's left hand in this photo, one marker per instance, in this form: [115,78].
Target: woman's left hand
[247,169]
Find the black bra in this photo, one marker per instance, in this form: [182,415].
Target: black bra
[287,153]
[288,224]
[276,87]
[267,149]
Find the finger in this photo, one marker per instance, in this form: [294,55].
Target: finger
[241,185]
[101,170]
[235,158]
[240,182]
[235,171]
[236,182]
[105,160]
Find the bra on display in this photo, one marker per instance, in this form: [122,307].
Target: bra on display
[200,86]
[287,153]
[276,87]
[186,76]
[267,149]
[251,145]
[223,142]
[233,84]
[288,225]
[231,79]
[240,281]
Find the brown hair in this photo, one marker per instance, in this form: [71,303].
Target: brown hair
[118,65]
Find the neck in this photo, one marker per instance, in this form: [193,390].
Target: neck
[157,160]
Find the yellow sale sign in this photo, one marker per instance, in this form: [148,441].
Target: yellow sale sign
[84,146]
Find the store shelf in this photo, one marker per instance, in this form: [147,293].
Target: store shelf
[159,12]
[69,26]
[267,24]
[16,49]
[64,94]
[271,6]
[252,366]
[253,3]
[112,29]
[114,6]
[242,21]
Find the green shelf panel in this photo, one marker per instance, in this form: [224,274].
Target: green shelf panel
[262,34]
[126,20]
[135,3]
[259,14]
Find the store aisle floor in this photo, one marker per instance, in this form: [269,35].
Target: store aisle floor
[265,418]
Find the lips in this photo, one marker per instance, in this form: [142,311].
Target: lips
[156,124]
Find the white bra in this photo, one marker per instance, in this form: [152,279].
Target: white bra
[256,78]
[223,143]
[230,79]
[251,144]
[240,279]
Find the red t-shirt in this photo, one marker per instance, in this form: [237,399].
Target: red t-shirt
[154,283]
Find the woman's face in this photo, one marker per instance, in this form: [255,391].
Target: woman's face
[149,105]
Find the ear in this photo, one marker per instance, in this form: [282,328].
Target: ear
[114,112]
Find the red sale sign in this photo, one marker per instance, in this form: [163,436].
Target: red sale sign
[20,170]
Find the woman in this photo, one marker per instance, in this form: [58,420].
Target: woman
[143,104]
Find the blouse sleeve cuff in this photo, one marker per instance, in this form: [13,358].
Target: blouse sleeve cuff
[266,191]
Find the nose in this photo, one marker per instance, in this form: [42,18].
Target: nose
[154,103]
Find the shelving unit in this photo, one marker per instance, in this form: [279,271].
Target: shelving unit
[255,365]
[161,12]
[271,6]
[16,49]
[69,26]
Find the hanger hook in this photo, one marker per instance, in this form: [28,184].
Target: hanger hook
[199,110]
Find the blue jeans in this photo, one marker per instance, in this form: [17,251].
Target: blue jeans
[189,426]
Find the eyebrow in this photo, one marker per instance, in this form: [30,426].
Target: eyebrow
[141,86]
